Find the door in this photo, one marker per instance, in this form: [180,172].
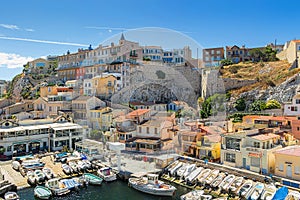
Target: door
[244,163]
[289,171]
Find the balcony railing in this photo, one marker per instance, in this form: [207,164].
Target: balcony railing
[253,149]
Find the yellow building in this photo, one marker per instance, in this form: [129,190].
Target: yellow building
[48,90]
[210,147]
[101,118]
[104,85]
[287,162]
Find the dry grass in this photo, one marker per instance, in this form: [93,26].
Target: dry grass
[267,74]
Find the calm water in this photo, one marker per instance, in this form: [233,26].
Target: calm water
[118,190]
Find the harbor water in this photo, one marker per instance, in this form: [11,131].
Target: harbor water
[117,190]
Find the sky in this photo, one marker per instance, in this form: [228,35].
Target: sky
[31,29]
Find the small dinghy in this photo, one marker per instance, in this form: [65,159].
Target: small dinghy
[70,183]
[236,184]
[212,176]
[67,169]
[31,177]
[107,174]
[269,192]
[245,188]
[227,182]
[256,191]
[92,179]
[201,178]
[42,192]
[192,195]
[48,173]
[11,196]
[215,183]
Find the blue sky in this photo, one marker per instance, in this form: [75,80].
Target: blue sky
[209,23]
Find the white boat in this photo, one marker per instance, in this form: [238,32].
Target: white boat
[42,192]
[245,188]
[87,163]
[212,176]
[151,185]
[175,168]
[293,195]
[205,197]
[192,195]
[268,192]
[191,179]
[170,166]
[236,184]
[11,196]
[92,179]
[67,169]
[48,173]
[107,174]
[202,176]
[57,188]
[189,170]
[39,176]
[16,165]
[70,183]
[30,177]
[182,169]
[227,182]
[81,166]
[74,167]
[256,191]
[215,183]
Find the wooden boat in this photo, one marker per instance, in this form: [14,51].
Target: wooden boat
[92,179]
[11,196]
[293,195]
[107,174]
[202,176]
[42,192]
[215,183]
[188,170]
[269,192]
[193,176]
[151,185]
[39,176]
[57,188]
[30,177]
[236,184]
[256,191]
[70,183]
[67,169]
[192,195]
[48,173]
[245,188]
[214,173]
[227,182]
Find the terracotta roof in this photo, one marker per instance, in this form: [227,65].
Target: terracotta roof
[138,112]
[291,151]
[263,137]
[147,141]
[214,138]
[213,129]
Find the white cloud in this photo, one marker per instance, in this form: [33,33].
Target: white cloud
[29,29]
[11,60]
[10,26]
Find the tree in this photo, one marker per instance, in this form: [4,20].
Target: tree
[257,105]
[273,104]
[226,62]
[240,104]
[256,55]
[212,105]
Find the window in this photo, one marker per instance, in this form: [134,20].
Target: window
[228,53]
[155,131]
[255,162]
[8,148]
[298,128]
[280,168]
[218,52]
[212,51]
[297,170]
[206,58]
[297,101]
[148,130]
[230,157]
[294,108]
[256,144]
[140,129]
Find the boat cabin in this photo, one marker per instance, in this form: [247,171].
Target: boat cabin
[152,178]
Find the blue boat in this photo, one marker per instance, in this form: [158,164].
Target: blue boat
[70,183]
[281,193]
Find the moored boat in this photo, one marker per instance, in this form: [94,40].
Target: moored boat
[227,182]
[202,176]
[182,169]
[92,179]
[269,192]
[151,185]
[236,184]
[39,176]
[192,195]
[205,197]
[31,177]
[74,167]
[218,180]
[212,176]
[11,196]
[107,174]
[42,192]
[245,188]
[192,178]
[48,173]
[57,188]
[173,170]
[67,169]
[293,195]
[188,170]
[70,183]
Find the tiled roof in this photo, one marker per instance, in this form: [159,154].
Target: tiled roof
[291,151]
[263,137]
[138,112]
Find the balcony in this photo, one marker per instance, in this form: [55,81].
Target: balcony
[254,149]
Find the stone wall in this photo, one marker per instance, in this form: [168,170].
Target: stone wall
[230,83]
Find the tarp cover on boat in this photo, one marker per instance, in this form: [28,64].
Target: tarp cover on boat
[281,193]
[83,157]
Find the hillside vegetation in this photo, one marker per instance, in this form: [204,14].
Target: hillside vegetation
[265,73]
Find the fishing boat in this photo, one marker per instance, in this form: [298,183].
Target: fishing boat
[215,183]
[48,173]
[11,196]
[227,182]
[151,185]
[256,191]
[74,167]
[175,168]
[67,169]
[70,183]
[188,170]
[245,188]
[30,177]
[212,176]
[107,174]
[201,178]
[39,176]
[192,178]
[269,192]
[236,184]
[42,192]
[293,195]
[57,188]
[192,195]
[92,179]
